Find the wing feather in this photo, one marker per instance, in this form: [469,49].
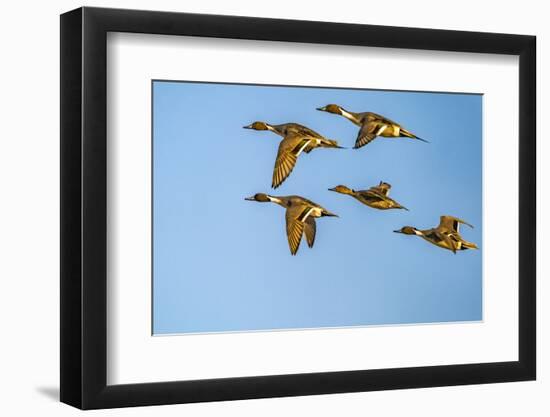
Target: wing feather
[310,230]
[383,189]
[295,227]
[374,117]
[366,135]
[451,223]
[303,130]
[448,239]
[371,194]
[289,150]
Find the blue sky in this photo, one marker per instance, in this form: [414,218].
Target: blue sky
[223,264]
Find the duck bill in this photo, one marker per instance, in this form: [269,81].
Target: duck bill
[330,214]
[321,108]
[247,127]
[250,198]
[397,231]
[333,189]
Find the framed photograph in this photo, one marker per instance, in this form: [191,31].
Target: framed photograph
[261,208]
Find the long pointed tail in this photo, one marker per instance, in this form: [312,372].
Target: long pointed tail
[331,143]
[469,245]
[408,134]
[423,140]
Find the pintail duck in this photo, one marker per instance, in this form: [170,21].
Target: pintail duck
[446,235]
[300,217]
[296,139]
[371,125]
[375,197]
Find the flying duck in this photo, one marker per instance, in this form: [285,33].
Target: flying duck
[296,139]
[371,125]
[300,217]
[375,197]
[446,235]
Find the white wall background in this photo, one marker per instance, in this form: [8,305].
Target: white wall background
[29,237]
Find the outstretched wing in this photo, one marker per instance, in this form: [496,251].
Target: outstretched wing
[382,188]
[366,134]
[310,229]
[451,224]
[296,218]
[289,150]
[378,192]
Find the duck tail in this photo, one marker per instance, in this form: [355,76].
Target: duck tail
[469,245]
[327,213]
[408,134]
[331,143]
[422,140]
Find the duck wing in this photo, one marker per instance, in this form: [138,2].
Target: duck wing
[289,150]
[451,224]
[369,195]
[449,240]
[310,230]
[296,218]
[374,117]
[298,129]
[366,134]
[302,130]
[438,237]
[383,188]
[375,193]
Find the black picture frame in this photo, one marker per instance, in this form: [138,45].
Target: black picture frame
[84,197]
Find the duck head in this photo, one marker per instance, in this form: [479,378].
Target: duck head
[408,230]
[258,126]
[259,197]
[332,108]
[342,189]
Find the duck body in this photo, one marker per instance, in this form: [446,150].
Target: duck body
[446,235]
[300,217]
[371,125]
[375,197]
[376,202]
[453,242]
[296,139]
